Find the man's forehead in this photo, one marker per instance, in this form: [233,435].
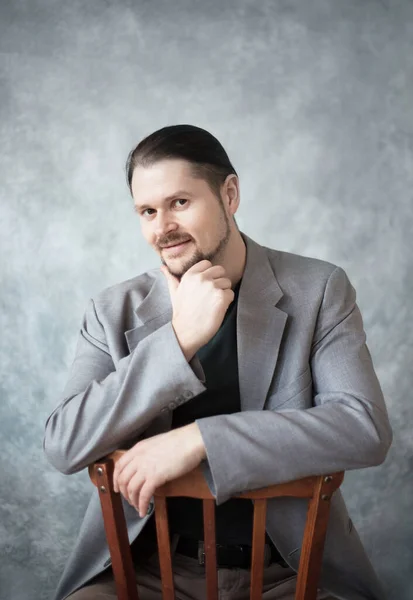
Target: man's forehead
[161,181]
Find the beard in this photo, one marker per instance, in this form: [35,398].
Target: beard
[213,255]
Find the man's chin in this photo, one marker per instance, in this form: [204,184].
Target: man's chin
[175,272]
[175,267]
[179,267]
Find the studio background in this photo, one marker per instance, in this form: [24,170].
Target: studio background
[313,102]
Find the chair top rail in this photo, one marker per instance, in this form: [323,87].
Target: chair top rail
[194,485]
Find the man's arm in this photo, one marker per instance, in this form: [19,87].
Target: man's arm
[348,427]
[103,407]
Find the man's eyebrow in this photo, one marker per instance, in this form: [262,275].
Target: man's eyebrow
[175,196]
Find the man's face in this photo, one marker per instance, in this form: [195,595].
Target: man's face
[181,218]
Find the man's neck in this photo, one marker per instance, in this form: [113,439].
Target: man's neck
[234,258]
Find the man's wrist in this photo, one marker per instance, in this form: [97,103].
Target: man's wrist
[189,349]
[199,448]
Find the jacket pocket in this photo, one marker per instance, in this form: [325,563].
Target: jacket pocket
[297,394]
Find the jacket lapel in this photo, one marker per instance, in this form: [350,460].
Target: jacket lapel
[153,312]
[260,326]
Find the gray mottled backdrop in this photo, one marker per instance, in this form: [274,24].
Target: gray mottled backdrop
[314,103]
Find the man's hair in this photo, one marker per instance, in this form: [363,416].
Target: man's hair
[206,155]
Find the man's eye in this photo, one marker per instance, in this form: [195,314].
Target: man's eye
[183,200]
[145,212]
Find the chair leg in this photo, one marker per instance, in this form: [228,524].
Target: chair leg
[164,548]
[258,543]
[208,507]
[313,543]
[116,532]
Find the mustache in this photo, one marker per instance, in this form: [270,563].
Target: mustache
[172,240]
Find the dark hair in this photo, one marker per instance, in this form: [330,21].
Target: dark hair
[200,148]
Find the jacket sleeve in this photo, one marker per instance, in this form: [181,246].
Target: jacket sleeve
[346,428]
[104,406]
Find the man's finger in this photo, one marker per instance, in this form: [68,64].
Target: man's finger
[146,493]
[172,281]
[200,266]
[119,466]
[128,473]
[134,489]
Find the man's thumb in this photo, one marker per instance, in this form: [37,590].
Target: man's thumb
[173,282]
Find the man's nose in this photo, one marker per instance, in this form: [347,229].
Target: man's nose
[164,225]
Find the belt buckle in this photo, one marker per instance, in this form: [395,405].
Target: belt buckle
[201,552]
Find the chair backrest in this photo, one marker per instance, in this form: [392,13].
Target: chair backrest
[317,489]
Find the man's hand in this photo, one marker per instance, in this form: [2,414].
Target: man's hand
[199,303]
[156,460]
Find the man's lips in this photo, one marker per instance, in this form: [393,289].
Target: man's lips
[177,245]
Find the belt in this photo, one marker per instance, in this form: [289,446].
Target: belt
[229,556]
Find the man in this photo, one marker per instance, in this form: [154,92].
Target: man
[245,359]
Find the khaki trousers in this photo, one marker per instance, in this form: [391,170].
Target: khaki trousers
[189,577]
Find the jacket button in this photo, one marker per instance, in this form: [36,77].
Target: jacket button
[188,394]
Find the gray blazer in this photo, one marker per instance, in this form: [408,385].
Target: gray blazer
[310,403]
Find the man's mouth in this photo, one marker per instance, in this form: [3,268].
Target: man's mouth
[175,245]
[173,251]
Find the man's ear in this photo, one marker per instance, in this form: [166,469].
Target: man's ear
[231,193]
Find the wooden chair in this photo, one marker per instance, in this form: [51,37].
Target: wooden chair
[317,489]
